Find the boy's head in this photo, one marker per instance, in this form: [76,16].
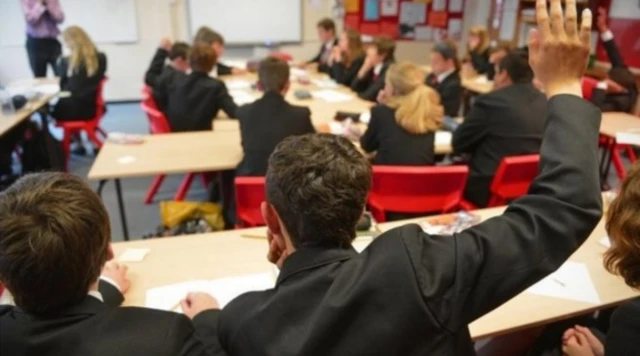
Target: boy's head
[382,49]
[326,30]
[54,241]
[317,186]
[212,38]
[500,51]
[514,68]
[444,57]
[202,58]
[273,75]
[179,56]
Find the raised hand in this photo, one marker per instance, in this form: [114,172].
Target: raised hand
[558,51]
[165,44]
[601,21]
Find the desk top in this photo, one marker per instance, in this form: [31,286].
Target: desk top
[228,254]
[7,123]
[615,122]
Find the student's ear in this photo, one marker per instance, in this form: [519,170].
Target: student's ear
[286,87]
[270,217]
[110,254]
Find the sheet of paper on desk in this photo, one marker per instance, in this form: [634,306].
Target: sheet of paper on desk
[331,96]
[605,242]
[324,83]
[631,137]
[241,97]
[571,281]
[297,72]
[238,84]
[167,297]
[443,138]
[134,255]
[362,242]
[47,88]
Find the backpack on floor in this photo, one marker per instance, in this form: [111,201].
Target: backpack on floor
[42,152]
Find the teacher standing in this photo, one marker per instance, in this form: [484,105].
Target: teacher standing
[43,47]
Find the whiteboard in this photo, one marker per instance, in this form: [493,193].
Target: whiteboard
[249,21]
[106,21]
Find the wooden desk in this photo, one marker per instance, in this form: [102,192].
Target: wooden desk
[7,123]
[613,123]
[228,254]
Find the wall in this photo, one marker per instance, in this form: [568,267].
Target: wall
[158,18]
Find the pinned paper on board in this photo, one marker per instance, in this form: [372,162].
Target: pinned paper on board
[454,31]
[351,6]
[371,10]
[571,281]
[439,5]
[455,5]
[424,33]
[413,13]
[389,8]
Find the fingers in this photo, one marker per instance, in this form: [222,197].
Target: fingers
[568,334]
[585,27]
[542,18]
[557,23]
[571,19]
[185,304]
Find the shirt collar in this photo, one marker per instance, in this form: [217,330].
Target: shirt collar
[330,44]
[96,294]
[378,69]
[443,76]
[311,258]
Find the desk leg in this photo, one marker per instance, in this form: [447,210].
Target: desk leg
[123,215]
[605,162]
[100,187]
[612,149]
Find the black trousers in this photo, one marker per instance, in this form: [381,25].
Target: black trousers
[43,52]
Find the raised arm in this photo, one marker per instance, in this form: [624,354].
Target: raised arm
[157,63]
[608,41]
[498,259]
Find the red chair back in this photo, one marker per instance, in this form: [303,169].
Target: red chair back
[158,123]
[147,97]
[513,178]
[588,85]
[416,189]
[285,56]
[250,193]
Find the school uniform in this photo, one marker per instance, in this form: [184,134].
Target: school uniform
[370,85]
[191,101]
[449,86]
[622,338]
[480,61]
[159,68]
[81,105]
[344,74]
[505,122]
[223,69]
[394,146]
[410,293]
[614,101]
[323,56]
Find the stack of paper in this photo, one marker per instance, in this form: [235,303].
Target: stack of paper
[571,281]
[238,84]
[325,83]
[331,96]
[443,138]
[299,73]
[241,97]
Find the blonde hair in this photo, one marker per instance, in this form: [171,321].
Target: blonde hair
[83,51]
[483,34]
[418,108]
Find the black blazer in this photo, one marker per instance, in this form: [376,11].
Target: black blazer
[450,91]
[615,101]
[84,90]
[263,125]
[345,75]
[622,338]
[394,146]
[502,123]
[480,61]
[322,67]
[223,69]
[93,328]
[369,86]
[410,293]
[192,101]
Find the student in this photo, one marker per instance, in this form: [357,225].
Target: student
[445,78]
[178,54]
[621,259]
[402,130]
[347,58]
[54,241]
[216,41]
[370,78]
[497,53]
[478,49]
[327,36]
[505,122]
[81,74]
[191,101]
[270,119]
[619,91]
[43,48]
[410,293]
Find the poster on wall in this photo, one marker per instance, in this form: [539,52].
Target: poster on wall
[411,14]
[389,8]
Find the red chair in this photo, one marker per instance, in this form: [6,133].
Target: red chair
[89,125]
[147,97]
[250,193]
[285,56]
[416,189]
[513,178]
[588,85]
[158,124]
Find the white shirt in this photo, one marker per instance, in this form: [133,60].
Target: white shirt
[442,76]
[377,69]
[606,35]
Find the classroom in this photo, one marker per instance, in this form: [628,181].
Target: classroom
[319,177]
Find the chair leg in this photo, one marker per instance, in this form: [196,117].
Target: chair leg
[632,154]
[184,187]
[94,138]
[153,189]
[619,164]
[66,147]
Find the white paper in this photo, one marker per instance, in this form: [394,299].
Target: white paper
[365,117]
[126,159]
[455,29]
[297,73]
[238,84]
[234,63]
[336,128]
[389,8]
[325,83]
[439,5]
[571,281]
[361,243]
[134,255]
[413,13]
[47,88]
[241,97]
[631,137]
[424,33]
[443,138]
[331,96]
[605,242]
[455,5]
[224,290]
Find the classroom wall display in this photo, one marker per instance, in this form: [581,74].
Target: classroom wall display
[411,20]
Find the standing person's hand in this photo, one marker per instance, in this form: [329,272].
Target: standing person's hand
[196,303]
[166,44]
[558,51]
[118,273]
[601,21]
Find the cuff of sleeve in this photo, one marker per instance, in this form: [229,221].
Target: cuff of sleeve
[606,35]
[602,85]
[112,282]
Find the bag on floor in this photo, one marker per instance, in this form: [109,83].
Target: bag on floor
[42,152]
[188,218]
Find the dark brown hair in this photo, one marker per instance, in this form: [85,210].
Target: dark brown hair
[318,184]
[623,227]
[356,48]
[327,24]
[179,50]
[386,46]
[449,51]
[54,240]
[202,58]
[273,74]
[208,35]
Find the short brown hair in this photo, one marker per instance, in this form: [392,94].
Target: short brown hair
[273,74]
[54,241]
[386,46]
[449,51]
[209,36]
[327,24]
[202,58]
[318,184]
[623,227]
[179,50]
